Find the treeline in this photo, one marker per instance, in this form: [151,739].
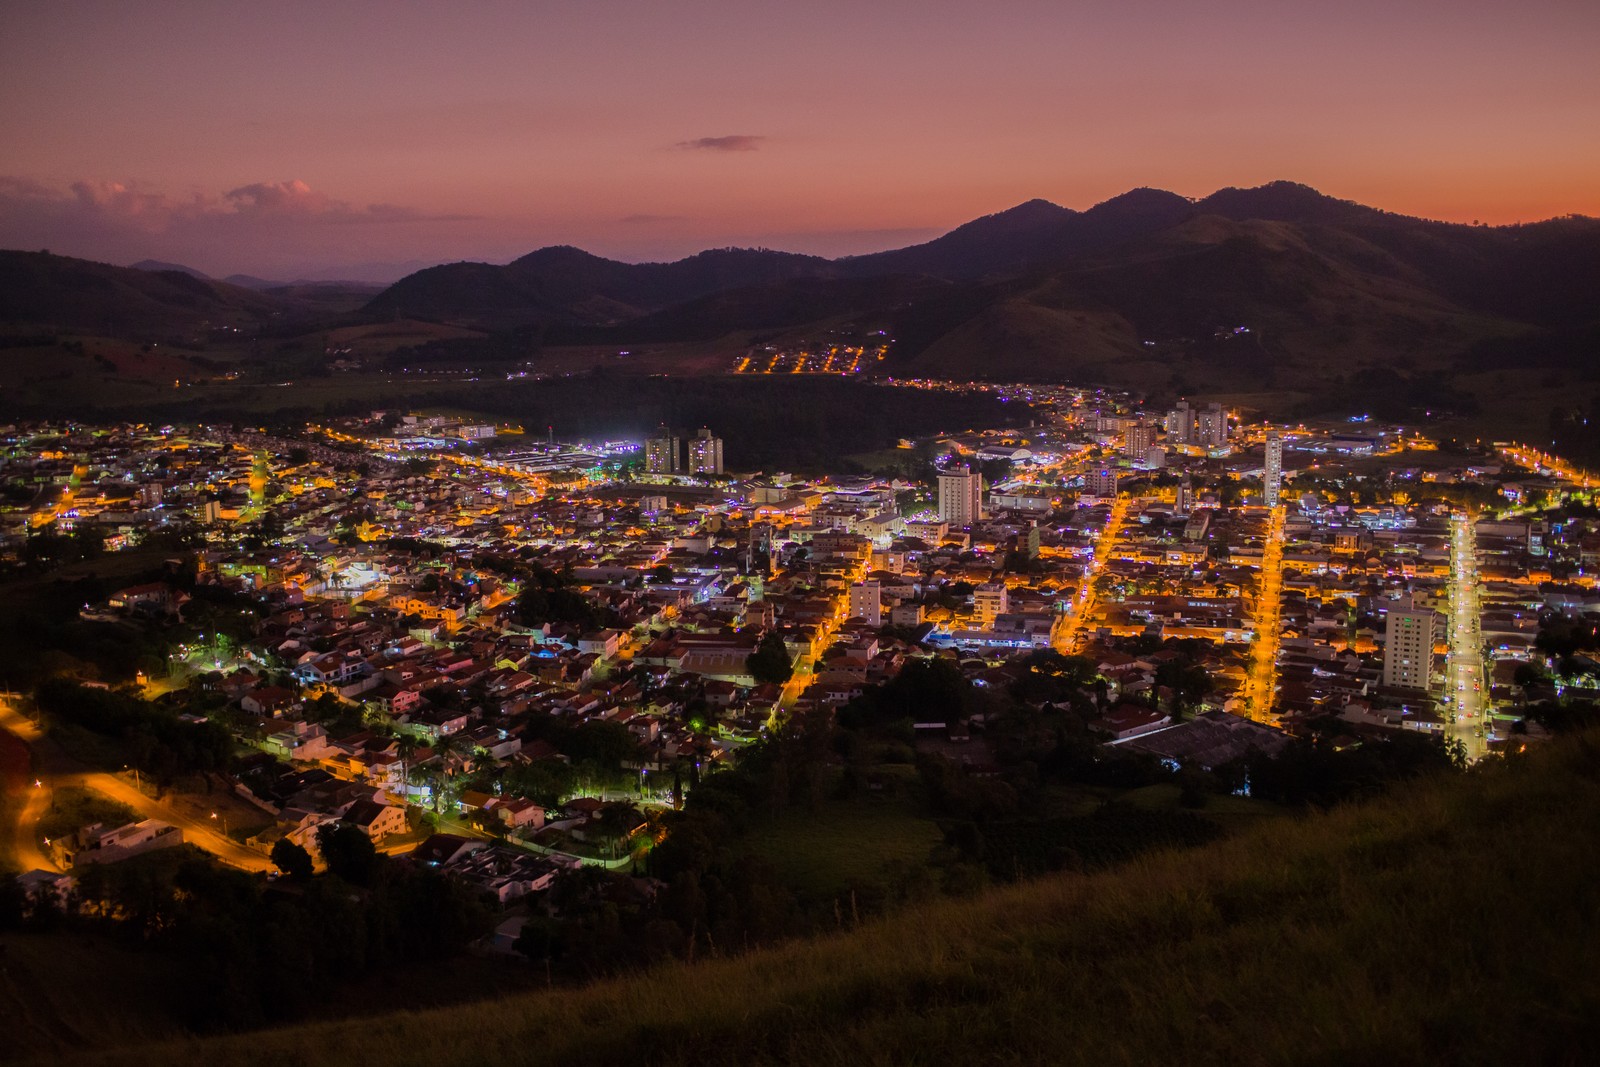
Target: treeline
[778,421]
[256,952]
[44,636]
[148,736]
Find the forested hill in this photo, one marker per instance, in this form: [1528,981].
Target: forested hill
[1277,286]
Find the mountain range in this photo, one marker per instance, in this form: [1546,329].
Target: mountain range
[1246,287]
[1243,288]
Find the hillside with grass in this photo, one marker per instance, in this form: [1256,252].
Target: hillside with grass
[1451,920]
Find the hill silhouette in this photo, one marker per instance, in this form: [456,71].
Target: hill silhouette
[1273,287]
[1145,285]
[38,289]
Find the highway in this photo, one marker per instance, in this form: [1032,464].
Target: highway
[1464,676]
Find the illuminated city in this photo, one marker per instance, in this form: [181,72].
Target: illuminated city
[812,533]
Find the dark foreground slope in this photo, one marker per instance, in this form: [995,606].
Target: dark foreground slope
[1448,922]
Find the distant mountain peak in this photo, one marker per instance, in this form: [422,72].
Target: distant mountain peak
[1283,201]
[1028,213]
[157,267]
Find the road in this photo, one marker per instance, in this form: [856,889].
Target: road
[17,780]
[1083,604]
[1262,683]
[25,840]
[1543,462]
[1464,677]
[201,831]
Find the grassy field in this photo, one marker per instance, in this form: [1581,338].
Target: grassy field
[822,853]
[72,808]
[1230,812]
[1449,922]
[63,991]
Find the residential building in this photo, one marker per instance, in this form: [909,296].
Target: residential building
[960,496]
[1408,648]
[1272,472]
[989,602]
[1211,427]
[1180,423]
[1101,482]
[866,603]
[662,453]
[1137,439]
[705,453]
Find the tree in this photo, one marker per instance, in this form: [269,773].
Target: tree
[770,662]
[348,852]
[291,859]
[616,823]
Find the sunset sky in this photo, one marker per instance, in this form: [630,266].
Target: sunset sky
[343,139]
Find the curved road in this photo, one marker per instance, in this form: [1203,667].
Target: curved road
[25,830]
[31,801]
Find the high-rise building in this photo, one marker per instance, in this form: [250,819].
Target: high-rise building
[1272,471]
[1407,648]
[662,453]
[866,603]
[1101,482]
[989,600]
[1211,427]
[1180,423]
[1137,439]
[960,496]
[1185,498]
[705,453]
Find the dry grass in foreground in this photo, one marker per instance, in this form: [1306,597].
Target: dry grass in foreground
[1451,921]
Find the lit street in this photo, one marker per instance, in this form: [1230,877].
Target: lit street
[1464,678]
[33,799]
[199,831]
[1260,686]
[1082,606]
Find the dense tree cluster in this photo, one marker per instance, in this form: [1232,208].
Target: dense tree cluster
[149,736]
[257,952]
[548,598]
[770,664]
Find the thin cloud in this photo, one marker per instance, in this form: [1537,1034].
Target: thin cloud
[738,142]
[279,222]
[296,199]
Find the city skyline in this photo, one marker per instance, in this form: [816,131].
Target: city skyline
[293,141]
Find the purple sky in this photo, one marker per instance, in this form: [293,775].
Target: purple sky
[327,139]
